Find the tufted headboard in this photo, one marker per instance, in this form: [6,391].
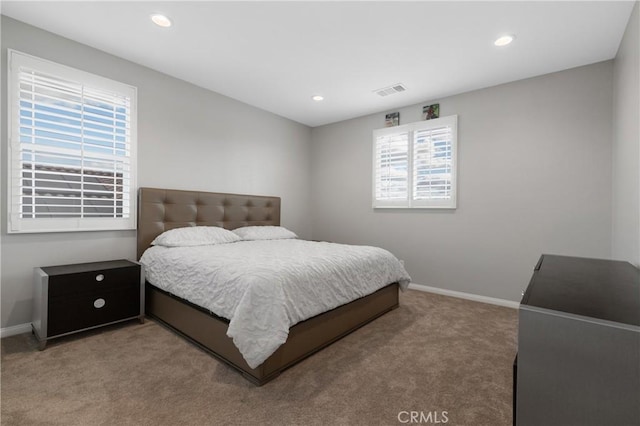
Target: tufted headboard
[162,209]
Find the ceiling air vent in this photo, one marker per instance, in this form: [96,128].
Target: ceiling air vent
[386,91]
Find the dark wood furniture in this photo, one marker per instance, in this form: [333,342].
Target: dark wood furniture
[73,298]
[578,357]
[163,209]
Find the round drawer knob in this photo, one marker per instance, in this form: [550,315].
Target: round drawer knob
[99,303]
[99,277]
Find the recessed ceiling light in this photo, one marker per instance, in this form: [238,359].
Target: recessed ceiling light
[161,20]
[504,40]
[317,98]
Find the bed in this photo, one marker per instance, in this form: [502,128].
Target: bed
[164,209]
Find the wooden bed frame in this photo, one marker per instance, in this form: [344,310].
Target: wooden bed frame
[164,209]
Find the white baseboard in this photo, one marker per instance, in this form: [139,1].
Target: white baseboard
[16,329]
[26,328]
[468,296]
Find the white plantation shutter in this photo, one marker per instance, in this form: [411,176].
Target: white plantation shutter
[415,165]
[391,168]
[433,165]
[72,160]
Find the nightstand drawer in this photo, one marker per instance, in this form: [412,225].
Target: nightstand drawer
[90,309]
[87,282]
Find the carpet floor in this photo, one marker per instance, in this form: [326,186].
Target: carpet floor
[448,360]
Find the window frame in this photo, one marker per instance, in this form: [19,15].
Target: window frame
[410,129]
[17,224]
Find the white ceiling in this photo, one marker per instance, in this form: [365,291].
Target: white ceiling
[276,55]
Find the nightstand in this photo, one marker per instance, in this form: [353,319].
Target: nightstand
[73,298]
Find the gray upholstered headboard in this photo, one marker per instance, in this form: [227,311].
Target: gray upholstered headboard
[163,209]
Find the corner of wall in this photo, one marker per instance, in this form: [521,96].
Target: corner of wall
[625,222]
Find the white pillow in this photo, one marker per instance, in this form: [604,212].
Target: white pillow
[195,236]
[248,233]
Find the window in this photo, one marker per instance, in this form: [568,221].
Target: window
[72,149]
[414,165]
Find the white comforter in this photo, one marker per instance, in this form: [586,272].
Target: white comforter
[265,287]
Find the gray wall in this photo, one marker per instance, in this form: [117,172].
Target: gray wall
[535,172]
[626,145]
[189,138]
[534,177]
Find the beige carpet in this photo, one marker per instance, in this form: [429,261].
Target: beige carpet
[433,354]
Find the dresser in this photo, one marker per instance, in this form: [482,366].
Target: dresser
[73,298]
[578,359]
